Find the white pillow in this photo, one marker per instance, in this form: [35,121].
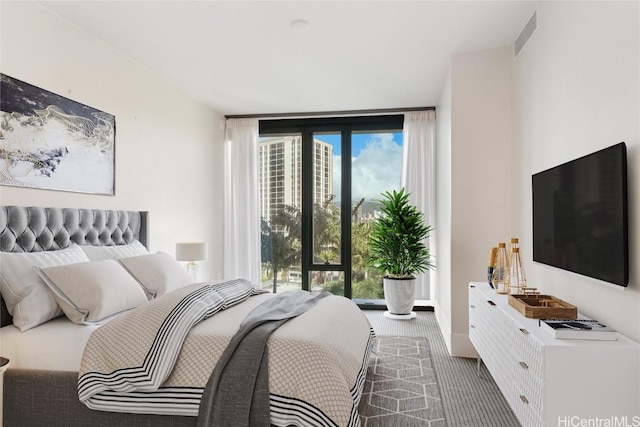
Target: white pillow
[157,273]
[28,298]
[96,253]
[92,292]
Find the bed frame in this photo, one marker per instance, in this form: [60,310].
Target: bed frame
[50,398]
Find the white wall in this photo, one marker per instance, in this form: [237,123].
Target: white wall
[576,90]
[442,225]
[475,127]
[168,145]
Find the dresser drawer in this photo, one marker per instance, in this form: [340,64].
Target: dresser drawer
[509,353]
[528,386]
[526,411]
[528,356]
[482,309]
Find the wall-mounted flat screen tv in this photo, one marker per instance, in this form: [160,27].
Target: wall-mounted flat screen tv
[580,216]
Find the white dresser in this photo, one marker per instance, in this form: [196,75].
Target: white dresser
[552,382]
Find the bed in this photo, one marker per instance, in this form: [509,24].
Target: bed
[41,385]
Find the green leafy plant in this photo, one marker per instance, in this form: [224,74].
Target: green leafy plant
[396,242]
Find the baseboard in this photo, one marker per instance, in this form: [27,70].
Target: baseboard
[461,346]
[458,344]
[445,329]
[379,304]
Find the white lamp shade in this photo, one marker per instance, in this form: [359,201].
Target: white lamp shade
[191,251]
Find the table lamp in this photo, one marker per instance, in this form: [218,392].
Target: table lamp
[191,252]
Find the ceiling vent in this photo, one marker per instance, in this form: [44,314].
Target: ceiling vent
[525,34]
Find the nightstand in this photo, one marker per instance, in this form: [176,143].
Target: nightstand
[4,364]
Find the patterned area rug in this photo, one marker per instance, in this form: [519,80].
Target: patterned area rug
[401,389]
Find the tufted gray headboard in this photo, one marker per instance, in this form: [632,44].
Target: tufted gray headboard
[35,229]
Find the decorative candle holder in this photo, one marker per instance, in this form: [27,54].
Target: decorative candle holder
[517,278]
[501,270]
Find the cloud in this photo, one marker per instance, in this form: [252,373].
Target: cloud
[376,169]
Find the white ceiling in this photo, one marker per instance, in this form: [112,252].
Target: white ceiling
[242,57]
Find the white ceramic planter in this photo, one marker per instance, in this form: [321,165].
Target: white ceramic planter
[400,295]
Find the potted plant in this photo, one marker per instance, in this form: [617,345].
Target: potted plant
[397,248]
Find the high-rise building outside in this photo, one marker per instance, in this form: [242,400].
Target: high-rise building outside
[281,173]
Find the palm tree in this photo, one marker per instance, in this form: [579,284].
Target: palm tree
[281,240]
[359,243]
[326,231]
[283,236]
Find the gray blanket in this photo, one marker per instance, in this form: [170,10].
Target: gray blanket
[241,374]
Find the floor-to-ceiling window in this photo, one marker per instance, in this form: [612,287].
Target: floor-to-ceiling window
[319,181]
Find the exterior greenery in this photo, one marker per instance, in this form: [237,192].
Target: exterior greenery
[391,245]
[396,241]
[281,250]
[280,243]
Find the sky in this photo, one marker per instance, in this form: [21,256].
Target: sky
[376,163]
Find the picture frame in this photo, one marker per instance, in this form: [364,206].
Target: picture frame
[51,142]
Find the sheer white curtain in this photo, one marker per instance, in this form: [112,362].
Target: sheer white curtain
[242,201]
[418,177]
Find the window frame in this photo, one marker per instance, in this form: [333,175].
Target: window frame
[346,126]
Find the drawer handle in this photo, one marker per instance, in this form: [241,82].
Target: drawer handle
[472,326]
[524,331]
[491,303]
[524,365]
[472,306]
[523,399]
[472,286]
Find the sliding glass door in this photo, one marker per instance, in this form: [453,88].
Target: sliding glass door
[319,181]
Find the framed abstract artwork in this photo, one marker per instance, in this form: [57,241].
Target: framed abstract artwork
[50,142]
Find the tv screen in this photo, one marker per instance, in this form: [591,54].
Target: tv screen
[580,216]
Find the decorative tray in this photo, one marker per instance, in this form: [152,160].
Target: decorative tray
[538,306]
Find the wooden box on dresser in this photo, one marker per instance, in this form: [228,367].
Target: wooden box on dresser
[553,382]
